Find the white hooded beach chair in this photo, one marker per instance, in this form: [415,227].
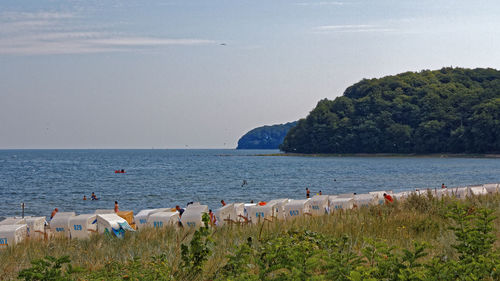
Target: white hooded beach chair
[141,219]
[244,218]
[59,224]
[260,213]
[364,200]
[440,192]
[460,192]
[478,190]
[341,203]
[13,220]
[231,213]
[112,224]
[12,234]
[491,187]
[82,226]
[318,205]
[36,227]
[163,219]
[296,208]
[193,214]
[279,207]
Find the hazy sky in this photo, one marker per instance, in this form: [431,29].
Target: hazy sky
[199,74]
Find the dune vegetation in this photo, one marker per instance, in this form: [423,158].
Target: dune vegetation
[421,238]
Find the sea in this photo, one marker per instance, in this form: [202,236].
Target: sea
[45,179]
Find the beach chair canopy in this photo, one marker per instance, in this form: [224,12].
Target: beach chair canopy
[113,225]
[259,213]
[296,208]
[141,219]
[12,234]
[128,216]
[163,219]
[36,227]
[59,224]
[318,205]
[339,203]
[491,187]
[192,216]
[478,190]
[364,200]
[279,207]
[13,220]
[460,192]
[234,212]
[82,226]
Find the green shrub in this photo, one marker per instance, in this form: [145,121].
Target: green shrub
[48,269]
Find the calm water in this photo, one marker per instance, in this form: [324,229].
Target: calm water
[45,179]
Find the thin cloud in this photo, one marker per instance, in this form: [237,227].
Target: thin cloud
[17,16]
[148,41]
[84,43]
[351,28]
[55,33]
[323,3]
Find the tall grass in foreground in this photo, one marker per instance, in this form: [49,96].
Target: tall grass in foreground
[151,254]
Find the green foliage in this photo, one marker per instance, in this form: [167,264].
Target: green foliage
[48,269]
[473,228]
[240,264]
[157,268]
[452,110]
[199,249]
[305,255]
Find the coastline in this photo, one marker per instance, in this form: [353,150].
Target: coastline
[386,155]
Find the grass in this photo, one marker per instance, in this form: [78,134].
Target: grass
[419,218]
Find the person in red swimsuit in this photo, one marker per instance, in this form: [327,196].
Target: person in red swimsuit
[388,198]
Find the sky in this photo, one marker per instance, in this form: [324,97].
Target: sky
[200,74]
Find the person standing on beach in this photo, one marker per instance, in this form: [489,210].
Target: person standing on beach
[54,213]
[116,206]
[388,198]
[213,220]
[223,203]
[180,210]
[308,193]
[443,186]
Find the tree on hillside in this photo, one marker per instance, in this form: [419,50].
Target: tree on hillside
[453,110]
